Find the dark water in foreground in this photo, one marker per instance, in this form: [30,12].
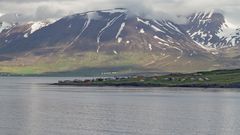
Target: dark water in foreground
[28,107]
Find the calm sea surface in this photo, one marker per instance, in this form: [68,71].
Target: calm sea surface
[30,107]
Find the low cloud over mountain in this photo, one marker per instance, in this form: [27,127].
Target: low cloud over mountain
[40,9]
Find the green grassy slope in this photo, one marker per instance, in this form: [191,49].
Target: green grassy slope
[130,61]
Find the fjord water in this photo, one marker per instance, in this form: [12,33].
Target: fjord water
[28,106]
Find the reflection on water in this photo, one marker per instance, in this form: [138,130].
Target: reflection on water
[30,107]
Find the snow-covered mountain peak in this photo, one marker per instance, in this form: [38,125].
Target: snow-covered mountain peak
[212,29]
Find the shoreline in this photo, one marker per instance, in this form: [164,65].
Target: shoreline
[151,85]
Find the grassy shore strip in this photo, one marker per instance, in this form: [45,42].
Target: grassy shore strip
[212,79]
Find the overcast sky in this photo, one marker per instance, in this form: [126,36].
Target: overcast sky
[58,8]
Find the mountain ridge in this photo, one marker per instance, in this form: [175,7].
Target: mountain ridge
[113,33]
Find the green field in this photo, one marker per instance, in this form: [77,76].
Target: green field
[218,78]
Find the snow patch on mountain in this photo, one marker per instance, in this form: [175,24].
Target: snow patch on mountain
[158,38]
[142,31]
[4,26]
[142,21]
[40,24]
[120,29]
[25,35]
[119,40]
[36,26]
[156,28]
[115,52]
[210,13]
[150,47]
[227,29]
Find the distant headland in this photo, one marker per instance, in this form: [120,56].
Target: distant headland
[209,79]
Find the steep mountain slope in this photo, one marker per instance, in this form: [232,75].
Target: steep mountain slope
[119,38]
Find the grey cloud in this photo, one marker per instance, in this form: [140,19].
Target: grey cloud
[43,12]
[157,8]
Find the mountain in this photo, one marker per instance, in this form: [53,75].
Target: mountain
[211,29]
[119,40]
